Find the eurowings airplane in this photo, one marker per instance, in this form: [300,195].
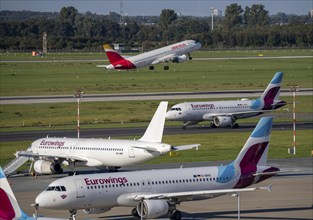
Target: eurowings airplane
[9,207]
[50,153]
[225,113]
[155,193]
[177,53]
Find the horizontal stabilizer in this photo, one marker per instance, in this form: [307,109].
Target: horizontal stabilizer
[186,147]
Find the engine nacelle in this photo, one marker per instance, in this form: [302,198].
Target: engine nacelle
[47,167]
[96,210]
[152,208]
[180,59]
[222,121]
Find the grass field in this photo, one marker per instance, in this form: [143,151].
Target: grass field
[55,78]
[204,53]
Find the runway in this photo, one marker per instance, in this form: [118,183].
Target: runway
[137,131]
[291,196]
[7,100]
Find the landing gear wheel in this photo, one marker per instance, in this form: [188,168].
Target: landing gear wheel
[73,213]
[176,215]
[151,67]
[135,213]
[184,127]
[212,125]
[235,125]
[166,67]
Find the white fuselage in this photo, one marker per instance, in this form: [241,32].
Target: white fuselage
[120,189]
[164,54]
[200,111]
[98,152]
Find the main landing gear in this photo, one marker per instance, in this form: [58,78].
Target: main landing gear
[234,125]
[73,213]
[175,215]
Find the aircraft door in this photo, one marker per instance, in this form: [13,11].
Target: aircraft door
[131,152]
[80,193]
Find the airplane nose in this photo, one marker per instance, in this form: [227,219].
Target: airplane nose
[41,200]
[169,115]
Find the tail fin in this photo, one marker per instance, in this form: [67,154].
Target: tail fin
[9,208]
[272,91]
[154,132]
[254,152]
[251,161]
[113,56]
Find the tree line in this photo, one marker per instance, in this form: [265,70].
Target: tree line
[70,30]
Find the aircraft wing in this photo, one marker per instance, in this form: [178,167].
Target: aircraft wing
[237,115]
[190,194]
[52,157]
[164,59]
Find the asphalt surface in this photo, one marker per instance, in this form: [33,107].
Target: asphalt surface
[5,100]
[290,199]
[138,131]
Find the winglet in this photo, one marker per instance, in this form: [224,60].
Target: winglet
[107,47]
[154,132]
[268,188]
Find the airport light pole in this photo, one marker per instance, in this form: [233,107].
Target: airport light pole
[78,95]
[212,18]
[294,89]
[238,202]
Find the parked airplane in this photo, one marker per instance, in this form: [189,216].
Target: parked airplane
[50,153]
[225,113]
[177,53]
[155,193]
[9,207]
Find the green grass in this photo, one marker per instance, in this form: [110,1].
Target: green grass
[224,146]
[42,78]
[108,114]
[209,53]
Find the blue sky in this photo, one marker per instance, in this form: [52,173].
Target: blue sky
[154,7]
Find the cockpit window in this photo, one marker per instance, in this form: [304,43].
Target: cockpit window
[175,109]
[56,188]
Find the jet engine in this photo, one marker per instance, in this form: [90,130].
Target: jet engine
[222,121]
[96,210]
[152,208]
[47,167]
[180,59]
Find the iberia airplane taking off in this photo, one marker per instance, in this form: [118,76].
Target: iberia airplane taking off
[155,193]
[50,153]
[177,53]
[225,113]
